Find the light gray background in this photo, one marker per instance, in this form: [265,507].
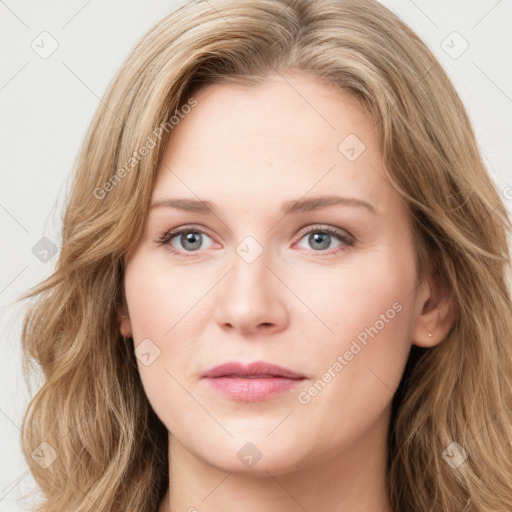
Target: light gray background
[47,104]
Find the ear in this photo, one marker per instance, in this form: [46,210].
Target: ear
[123,320]
[436,313]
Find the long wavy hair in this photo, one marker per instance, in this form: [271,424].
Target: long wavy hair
[107,448]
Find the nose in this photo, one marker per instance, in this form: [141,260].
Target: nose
[250,299]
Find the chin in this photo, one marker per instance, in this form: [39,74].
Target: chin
[258,459]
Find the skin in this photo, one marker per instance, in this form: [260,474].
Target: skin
[248,150]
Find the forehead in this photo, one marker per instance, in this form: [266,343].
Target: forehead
[296,108]
[288,136]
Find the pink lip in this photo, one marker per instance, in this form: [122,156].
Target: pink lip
[253,382]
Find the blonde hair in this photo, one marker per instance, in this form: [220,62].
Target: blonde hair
[111,447]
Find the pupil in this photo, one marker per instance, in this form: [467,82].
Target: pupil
[323,238]
[190,238]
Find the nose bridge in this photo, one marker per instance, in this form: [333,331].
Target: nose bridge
[251,253]
[251,296]
[250,273]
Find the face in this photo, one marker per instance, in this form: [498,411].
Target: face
[272,273]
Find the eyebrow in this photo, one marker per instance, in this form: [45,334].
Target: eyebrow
[292,206]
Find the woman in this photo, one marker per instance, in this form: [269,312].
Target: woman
[283,279]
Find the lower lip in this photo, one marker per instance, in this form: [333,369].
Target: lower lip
[252,390]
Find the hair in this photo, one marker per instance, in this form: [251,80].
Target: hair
[91,408]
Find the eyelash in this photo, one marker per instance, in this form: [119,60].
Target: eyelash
[347,239]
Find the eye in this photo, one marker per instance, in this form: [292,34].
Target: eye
[187,240]
[320,238]
[184,239]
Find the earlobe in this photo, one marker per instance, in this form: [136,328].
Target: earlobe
[428,336]
[123,320]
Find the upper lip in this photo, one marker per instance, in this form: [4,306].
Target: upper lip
[257,368]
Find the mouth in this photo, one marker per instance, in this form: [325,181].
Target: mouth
[253,382]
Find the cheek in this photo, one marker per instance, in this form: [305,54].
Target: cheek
[165,309]
[369,308]
[347,300]
[160,296]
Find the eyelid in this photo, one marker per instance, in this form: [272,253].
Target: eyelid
[190,227]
